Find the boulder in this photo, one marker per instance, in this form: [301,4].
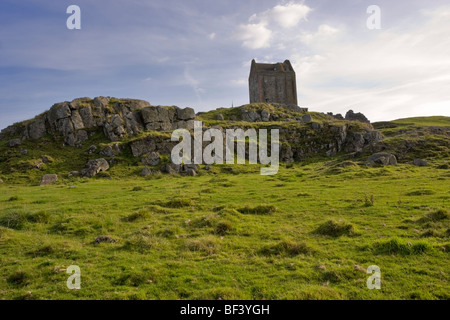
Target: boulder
[420,163]
[265,115]
[350,115]
[73,174]
[250,116]
[23,152]
[383,158]
[14,143]
[92,149]
[307,118]
[106,239]
[151,159]
[37,129]
[191,172]
[47,159]
[107,152]
[220,117]
[170,168]
[143,146]
[186,114]
[146,172]
[48,179]
[94,166]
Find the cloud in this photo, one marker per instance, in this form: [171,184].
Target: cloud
[287,16]
[254,36]
[264,26]
[385,74]
[212,36]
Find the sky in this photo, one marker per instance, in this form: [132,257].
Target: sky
[197,53]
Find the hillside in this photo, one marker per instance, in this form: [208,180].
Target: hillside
[225,232]
[131,135]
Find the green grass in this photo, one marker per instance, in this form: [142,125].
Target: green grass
[248,237]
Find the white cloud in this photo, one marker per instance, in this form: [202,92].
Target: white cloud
[287,16]
[212,36]
[263,26]
[254,36]
[385,74]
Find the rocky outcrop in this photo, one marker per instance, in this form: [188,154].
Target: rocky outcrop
[382,158]
[351,116]
[75,121]
[93,167]
[48,179]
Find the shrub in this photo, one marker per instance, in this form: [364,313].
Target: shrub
[434,216]
[262,209]
[336,229]
[402,247]
[177,203]
[424,192]
[13,219]
[223,227]
[140,242]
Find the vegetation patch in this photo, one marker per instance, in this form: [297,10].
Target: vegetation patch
[434,216]
[399,246]
[288,248]
[336,229]
[262,209]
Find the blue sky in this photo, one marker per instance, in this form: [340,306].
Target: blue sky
[197,53]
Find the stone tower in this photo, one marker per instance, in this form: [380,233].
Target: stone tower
[272,83]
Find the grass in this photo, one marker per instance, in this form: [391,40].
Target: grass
[229,233]
[251,240]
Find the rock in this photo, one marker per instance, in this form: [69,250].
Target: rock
[220,117]
[307,118]
[286,154]
[383,158]
[23,152]
[107,152]
[420,163]
[146,172]
[14,143]
[250,116]
[47,159]
[73,174]
[339,116]
[191,172]
[1,181]
[59,111]
[350,115]
[94,166]
[151,159]
[81,136]
[37,129]
[143,146]
[38,165]
[316,125]
[265,115]
[207,168]
[186,114]
[92,149]
[48,179]
[106,239]
[170,168]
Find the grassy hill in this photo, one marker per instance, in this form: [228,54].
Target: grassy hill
[308,232]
